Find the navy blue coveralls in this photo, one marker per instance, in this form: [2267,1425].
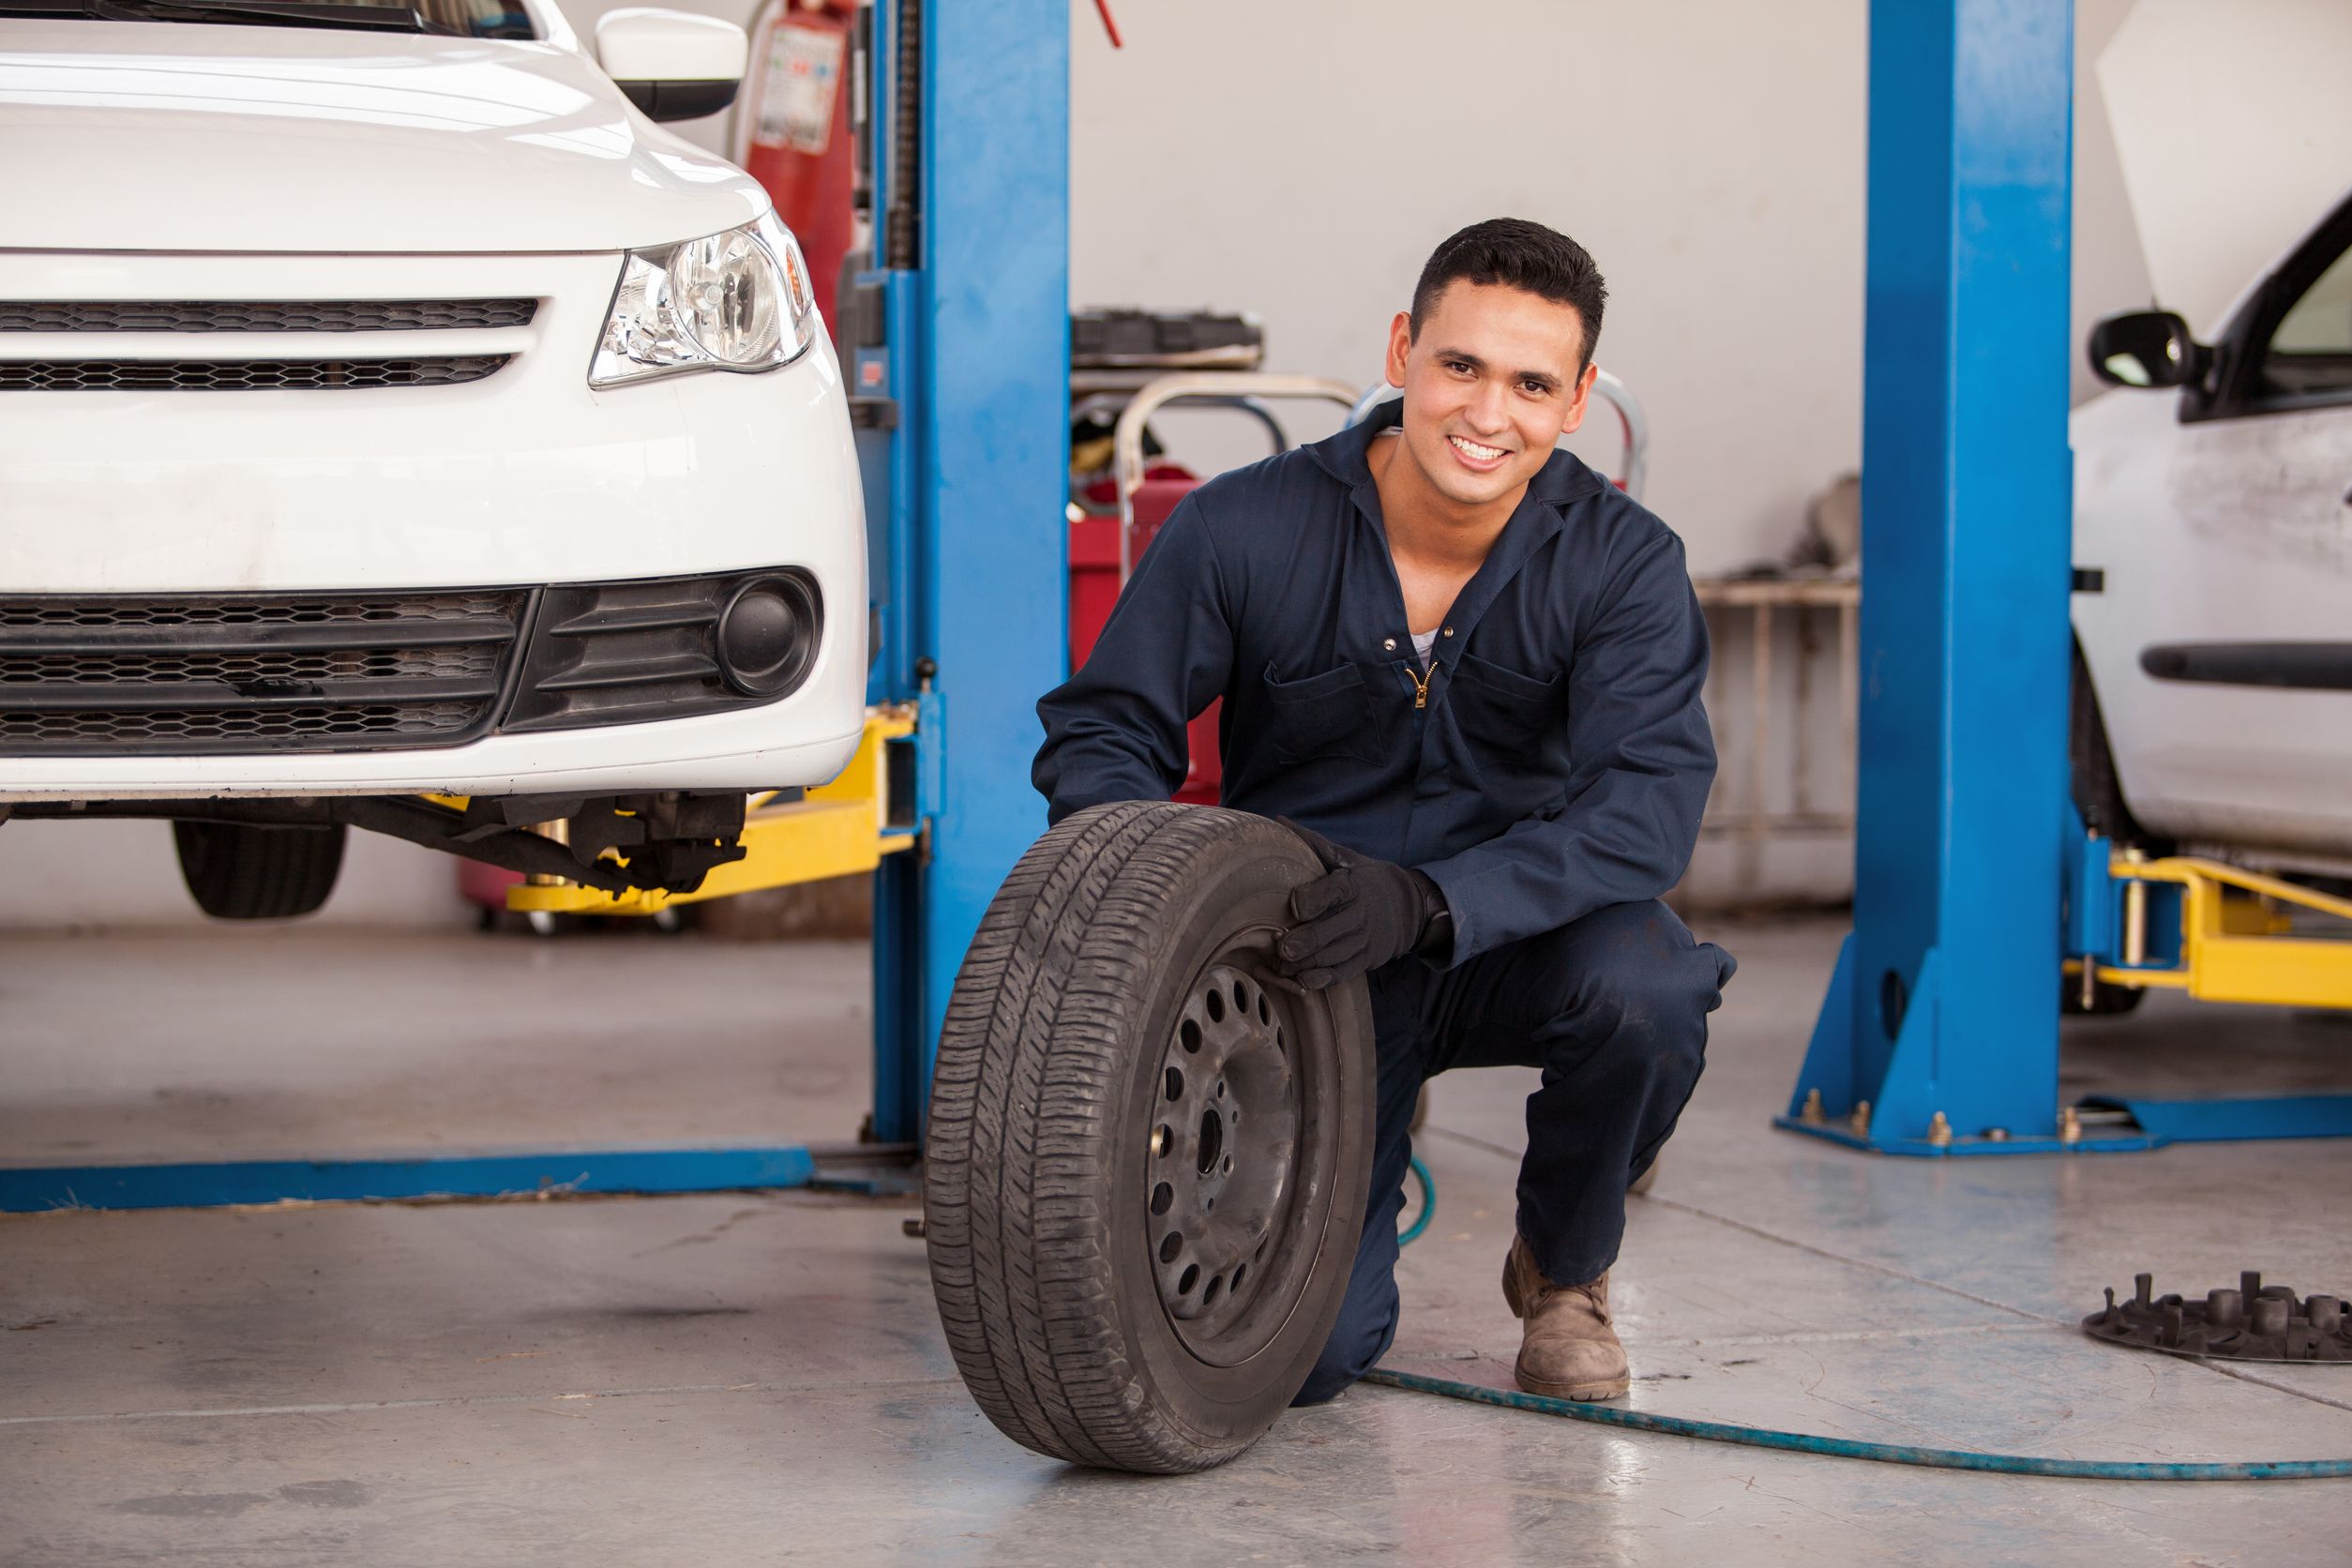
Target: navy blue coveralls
[1550,784]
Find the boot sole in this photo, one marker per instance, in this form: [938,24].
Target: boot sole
[1581,1393]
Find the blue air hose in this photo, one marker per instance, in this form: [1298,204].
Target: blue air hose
[1428,1204]
[1842,1448]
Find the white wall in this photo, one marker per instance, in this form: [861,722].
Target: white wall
[1710,154]
[1280,159]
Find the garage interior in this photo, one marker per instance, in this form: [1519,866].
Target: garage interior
[421,1230]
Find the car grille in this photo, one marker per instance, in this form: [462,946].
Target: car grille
[262,673]
[263,315]
[253,672]
[241,375]
[238,729]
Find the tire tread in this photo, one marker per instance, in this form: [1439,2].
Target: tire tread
[240,871]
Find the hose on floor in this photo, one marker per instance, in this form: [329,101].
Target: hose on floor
[1428,1204]
[1842,1448]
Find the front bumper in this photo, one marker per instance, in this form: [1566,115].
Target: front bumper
[522,477]
[788,744]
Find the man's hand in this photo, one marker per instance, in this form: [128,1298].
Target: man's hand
[1358,916]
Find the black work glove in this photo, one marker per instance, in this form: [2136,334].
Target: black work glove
[1360,913]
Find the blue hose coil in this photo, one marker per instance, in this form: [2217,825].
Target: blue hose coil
[1841,1448]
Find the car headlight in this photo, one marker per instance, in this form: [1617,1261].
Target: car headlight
[733,301]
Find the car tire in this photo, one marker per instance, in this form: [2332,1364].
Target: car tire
[2091,765]
[2107,1001]
[2099,796]
[242,871]
[1118,1055]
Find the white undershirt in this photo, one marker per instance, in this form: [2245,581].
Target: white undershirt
[1422,643]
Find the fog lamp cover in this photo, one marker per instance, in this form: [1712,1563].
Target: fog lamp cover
[767,635]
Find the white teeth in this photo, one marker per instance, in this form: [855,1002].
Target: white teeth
[1483,454]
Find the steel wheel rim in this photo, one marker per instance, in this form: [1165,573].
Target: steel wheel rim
[1229,1140]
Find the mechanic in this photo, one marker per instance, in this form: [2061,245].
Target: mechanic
[1467,668]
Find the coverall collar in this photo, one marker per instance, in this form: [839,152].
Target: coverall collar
[1534,523]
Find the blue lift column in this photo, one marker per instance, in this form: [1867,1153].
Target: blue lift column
[1945,1001]
[972,112]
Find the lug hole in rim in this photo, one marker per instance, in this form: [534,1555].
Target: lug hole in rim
[1216,1287]
[1163,1141]
[1212,1141]
[1189,1032]
[1170,1246]
[1241,1272]
[1191,1277]
[1175,1083]
[1215,1002]
[1241,999]
[1162,1196]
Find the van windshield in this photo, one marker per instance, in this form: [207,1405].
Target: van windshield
[469,19]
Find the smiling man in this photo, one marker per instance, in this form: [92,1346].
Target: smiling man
[1466,669]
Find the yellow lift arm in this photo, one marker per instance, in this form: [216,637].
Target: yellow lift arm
[2234,943]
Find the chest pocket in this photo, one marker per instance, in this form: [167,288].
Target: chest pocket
[1504,714]
[1324,716]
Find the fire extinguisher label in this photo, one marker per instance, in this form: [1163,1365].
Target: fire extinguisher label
[804,75]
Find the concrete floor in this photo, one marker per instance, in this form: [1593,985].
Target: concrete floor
[742,1379]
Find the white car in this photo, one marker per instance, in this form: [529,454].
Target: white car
[388,407]
[2213,562]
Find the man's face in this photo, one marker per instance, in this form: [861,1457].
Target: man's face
[1491,382]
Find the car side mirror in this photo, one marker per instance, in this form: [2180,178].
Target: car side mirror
[672,65]
[2146,348]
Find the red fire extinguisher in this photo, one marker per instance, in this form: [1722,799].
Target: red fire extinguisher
[792,127]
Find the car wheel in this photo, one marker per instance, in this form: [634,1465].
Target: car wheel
[2099,796]
[2091,765]
[2105,1001]
[242,871]
[1148,1154]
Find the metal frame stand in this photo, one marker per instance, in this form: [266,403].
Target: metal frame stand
[1973,875]
[960,379]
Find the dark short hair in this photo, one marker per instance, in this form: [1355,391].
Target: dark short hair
[1517,254]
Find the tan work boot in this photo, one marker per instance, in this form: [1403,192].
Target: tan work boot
[1569,1351]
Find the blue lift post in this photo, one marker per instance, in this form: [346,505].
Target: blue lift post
[1945,998]
[977,354]
[967,479]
